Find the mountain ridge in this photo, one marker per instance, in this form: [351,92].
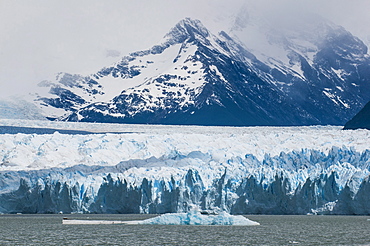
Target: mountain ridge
[196,77]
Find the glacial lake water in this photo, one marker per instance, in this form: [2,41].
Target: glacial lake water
[274,230]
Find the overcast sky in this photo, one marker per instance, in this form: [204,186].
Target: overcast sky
[42,37]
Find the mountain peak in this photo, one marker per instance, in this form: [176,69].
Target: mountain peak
[196,77]
[187,29]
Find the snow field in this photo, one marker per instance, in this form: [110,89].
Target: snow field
[32,152]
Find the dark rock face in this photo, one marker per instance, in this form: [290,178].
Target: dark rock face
[214,80]
[360,120]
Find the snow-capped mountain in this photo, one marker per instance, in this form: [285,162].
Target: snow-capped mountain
[315,74]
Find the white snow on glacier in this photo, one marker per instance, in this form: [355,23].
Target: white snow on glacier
[170,151]
[221,144]
[165,161]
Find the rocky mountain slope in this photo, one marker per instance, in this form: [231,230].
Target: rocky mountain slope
[315,74]
[360,120]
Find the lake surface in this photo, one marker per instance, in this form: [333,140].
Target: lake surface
[274,230]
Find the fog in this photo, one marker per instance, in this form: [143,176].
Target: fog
[41,38]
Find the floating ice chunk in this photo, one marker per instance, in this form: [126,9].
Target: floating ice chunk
[196,218]
[91,222]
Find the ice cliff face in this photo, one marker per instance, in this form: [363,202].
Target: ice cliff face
[312,74]
[292,183]
[158,169]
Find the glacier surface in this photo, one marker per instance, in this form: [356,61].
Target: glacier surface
[169,169]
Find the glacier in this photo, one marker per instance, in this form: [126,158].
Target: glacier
[114,168]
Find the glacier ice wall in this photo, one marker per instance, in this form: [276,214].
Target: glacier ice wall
[160,169]
[297,182]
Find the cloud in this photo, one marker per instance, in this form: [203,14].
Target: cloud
[44,37]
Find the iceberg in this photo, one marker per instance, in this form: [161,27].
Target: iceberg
[194,217]
[66,221]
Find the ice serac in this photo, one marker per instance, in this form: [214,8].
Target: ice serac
[318,76]
[298,182]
